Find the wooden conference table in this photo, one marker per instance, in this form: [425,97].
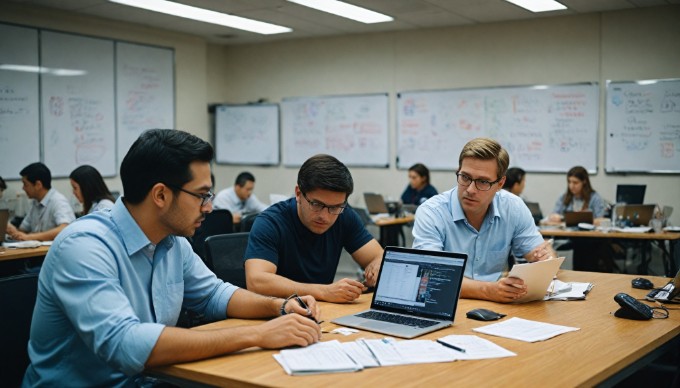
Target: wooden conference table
[391,228]
[668,254]
[605,350]
[23,253]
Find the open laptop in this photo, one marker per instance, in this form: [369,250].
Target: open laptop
[375,204]
[572,219]
[668,293]
[638,215]
[416,293]
[4,218]
[630,194]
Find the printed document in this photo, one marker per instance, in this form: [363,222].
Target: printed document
[476,348]
[321,357]
[524,330]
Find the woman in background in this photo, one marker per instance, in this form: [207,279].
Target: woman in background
[515,179]
[419,188]
[579,196]
[90,190]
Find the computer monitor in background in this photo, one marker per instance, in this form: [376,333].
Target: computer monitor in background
[630,194]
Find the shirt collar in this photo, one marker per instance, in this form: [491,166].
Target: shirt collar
[46,199]
[457,208]
[132,235]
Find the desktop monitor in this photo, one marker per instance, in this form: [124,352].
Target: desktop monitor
[630,194]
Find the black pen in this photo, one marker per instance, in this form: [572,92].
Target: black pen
[304,306]
[451,346]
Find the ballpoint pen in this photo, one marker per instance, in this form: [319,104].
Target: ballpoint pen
[304,306]
[448,345]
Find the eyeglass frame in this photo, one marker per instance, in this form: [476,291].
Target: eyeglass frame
[206,198]
[314,204]
[476,181]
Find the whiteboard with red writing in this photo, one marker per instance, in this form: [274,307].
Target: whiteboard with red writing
[544,128]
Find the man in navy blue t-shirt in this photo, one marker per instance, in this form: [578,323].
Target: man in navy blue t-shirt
[295,245]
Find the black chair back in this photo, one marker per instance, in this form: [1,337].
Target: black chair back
[247,221]
[219,221]
[17,300]
[224,253]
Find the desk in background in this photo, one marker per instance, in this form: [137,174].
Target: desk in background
[604,351]
[23,253]
[668,253]
[391,229]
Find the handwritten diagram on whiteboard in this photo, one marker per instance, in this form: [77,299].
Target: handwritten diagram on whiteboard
[78,103]
[544,129]
[247,134]
[643,126]
[354,129]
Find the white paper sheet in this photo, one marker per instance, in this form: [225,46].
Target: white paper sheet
[524,330]
[476,348]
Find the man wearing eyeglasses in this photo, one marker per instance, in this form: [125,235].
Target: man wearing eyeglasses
[295,245]
[480,219]
[113,283]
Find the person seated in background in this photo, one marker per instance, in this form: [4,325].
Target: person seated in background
[515,179]
[479,218]
[419,188]
[49,212]
[295,245]
[580,196]
[114,282]
[239,199]
[90,190]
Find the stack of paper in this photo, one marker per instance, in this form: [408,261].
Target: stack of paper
[524,330]
[321,357]
[559,290]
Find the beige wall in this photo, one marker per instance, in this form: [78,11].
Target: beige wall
[634,44]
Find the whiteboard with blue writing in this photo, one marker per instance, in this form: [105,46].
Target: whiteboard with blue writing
[543,128]
[145,92]
[19,113]
[247,134]
[643,126]
[354,129]
[78,107]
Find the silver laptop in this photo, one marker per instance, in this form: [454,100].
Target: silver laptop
[637,214]
[375,203]
[416,293]
[670,293]
[4,218]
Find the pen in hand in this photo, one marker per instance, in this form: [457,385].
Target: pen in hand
[304,306]
[448,345]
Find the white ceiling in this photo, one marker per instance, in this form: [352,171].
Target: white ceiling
[307,22]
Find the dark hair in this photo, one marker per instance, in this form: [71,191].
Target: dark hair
[512,176]
[160,156]
[327,173]
[421,170]
[581,174]
[92,186]
[485,148]
[3,185]
[38,172]
[244,178]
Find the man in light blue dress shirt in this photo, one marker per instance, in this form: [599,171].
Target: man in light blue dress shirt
[113,282]
[480,219]
[50,211]
[239,199]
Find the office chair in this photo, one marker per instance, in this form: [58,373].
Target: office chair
[224,253]
[247,221]
[18,299]
[219,221]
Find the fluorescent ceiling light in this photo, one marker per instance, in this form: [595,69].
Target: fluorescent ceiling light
[345,10]
[538,5]
[204,15]
[646,82]
[42,70]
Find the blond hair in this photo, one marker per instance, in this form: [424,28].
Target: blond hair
[485,148]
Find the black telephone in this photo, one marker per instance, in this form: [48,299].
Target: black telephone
[631,308]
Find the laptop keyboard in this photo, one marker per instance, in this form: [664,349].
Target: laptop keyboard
[400,319]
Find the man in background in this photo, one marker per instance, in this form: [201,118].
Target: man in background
[295,245]
[239,199]
[480,219]
[49,212]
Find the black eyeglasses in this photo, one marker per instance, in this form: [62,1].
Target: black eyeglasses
[205,198]
[480,184]
[318,206]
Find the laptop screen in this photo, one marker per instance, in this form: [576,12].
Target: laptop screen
[421,283]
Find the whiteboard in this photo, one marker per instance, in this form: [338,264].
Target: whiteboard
[643,126]
[543,128]
[145,92]
[354,129]
[77,103]
[247,134]
[19,114]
